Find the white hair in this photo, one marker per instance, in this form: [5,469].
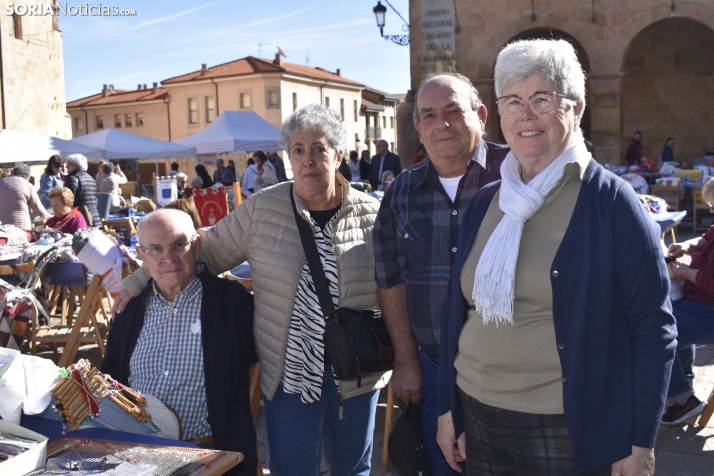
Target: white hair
[552,60]
[179,217]
[181,175]
[77,159]
[315,117]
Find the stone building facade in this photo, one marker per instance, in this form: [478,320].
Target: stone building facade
[32,96]
[648,65]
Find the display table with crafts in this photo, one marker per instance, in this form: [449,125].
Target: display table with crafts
[94,424]
[63,264]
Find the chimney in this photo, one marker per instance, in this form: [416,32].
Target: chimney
[138,87]
[156,85]
[277,60]
[339,72]
[111,87]
[204,67]
[105,90]
[144,85]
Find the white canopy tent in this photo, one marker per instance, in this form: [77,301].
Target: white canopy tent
[28,147]
[234,131]
[125,145]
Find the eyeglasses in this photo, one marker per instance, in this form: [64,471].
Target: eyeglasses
[177,249]
[542,102]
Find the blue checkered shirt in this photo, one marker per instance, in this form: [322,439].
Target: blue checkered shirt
[416,233]
[168,358]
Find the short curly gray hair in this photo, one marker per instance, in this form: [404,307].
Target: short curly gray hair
[77,159]
[314,117]
[473,92]
[21,170]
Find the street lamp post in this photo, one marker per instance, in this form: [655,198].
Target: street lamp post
[380,12]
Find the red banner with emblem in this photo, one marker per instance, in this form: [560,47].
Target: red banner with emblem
[212,204]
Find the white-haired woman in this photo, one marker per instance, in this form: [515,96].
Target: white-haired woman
[307,409]
[84,189]
[557,335]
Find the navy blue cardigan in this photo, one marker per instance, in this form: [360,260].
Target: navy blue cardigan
[611,313]
[228,352]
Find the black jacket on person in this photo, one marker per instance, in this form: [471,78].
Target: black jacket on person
[345,171]
[84,189]
[391,162]
[365,169]
[228,352]
[207,181]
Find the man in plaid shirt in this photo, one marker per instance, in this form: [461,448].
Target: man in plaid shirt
[416,234]
[188,340]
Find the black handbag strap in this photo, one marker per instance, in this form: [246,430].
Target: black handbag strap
[313,261]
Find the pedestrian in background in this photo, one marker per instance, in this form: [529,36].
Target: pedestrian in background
[251,171]
[633,156]
[365,166]
[17,198]
[84,189]
[668,151]
[51,178]
[279,167]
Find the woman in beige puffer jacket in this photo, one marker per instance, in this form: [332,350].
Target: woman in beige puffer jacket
[304,403]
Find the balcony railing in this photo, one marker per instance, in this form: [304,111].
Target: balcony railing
[373,133]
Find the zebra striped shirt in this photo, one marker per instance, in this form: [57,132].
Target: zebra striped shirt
[305,356]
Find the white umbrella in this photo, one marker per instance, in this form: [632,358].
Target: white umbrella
[28,147]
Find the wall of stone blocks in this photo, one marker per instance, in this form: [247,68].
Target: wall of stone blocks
[607,31]
[668,88]
[33,76]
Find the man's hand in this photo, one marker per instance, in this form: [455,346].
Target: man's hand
[640,463]
[406,379]
[454,449]
[120,302]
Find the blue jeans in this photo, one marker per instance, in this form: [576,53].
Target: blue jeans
[695,325]
[429,424]
[298,432]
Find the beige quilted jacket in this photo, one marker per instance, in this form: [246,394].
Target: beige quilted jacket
[263,232]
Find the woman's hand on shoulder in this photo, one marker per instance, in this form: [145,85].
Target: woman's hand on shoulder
[120,302]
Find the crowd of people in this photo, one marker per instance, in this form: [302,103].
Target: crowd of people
[524,288]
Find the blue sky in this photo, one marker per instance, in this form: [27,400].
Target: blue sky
[168,38]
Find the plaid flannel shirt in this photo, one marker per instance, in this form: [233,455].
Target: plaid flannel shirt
[168,358]
[416,233]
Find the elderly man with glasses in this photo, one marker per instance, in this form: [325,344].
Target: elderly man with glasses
[178,341]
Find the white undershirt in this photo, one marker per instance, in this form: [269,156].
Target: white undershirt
[451,185]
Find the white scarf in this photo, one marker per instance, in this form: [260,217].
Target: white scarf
[494,282]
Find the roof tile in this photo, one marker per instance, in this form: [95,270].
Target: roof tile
[251,65]
[119,96]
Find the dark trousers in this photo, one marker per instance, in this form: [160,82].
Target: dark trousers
[507,443]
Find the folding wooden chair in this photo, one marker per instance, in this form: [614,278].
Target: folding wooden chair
[708,411]
[255,395]
[86,328]
[392,399]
